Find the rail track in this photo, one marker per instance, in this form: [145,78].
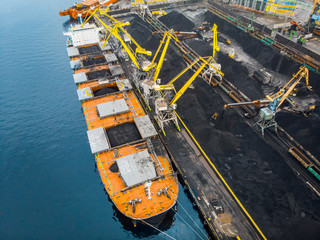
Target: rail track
[290,52]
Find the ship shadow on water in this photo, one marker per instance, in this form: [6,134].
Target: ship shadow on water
[140,229]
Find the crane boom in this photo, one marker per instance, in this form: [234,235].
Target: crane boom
[286,90]
[184,35]
[139,49]
[115,32]
[277,99]
[169,35]
[165,40]
[187,84]
[215,40]
[243,104]
[169,85]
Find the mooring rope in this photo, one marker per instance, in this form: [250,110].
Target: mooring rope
[192,219]
[158,230]
[188,224]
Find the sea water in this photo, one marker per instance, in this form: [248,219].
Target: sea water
[49,185]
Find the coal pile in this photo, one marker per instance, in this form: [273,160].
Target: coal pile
[98,74]
[171,67]
[302,229]
[177,21]
[122,134]
[259,176]
[91,49]
[264,54]
[305,130]
[261,179]
[104,91]
[238,74]
[203,48]
[142,33]
[93,61]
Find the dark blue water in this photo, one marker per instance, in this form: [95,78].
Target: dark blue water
[49,188]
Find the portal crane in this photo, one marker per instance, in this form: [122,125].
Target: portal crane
[115,32]
[165,110]
[274,102]
[215,40]
[165,40]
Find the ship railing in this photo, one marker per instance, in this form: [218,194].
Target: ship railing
[149,180]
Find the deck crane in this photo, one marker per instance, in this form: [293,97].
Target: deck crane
[273,103]
[114,30]
[165,109]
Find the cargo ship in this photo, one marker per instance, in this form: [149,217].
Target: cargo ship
[132,161]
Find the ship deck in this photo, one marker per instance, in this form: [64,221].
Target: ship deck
[133,165]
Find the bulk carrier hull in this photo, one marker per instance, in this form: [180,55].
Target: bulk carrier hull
[132,161]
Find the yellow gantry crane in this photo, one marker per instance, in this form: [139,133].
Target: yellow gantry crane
[165,43]
[215,46]
[267,114]
[215,40]
[165,110]
[279,97]
[114,30]
[286,90]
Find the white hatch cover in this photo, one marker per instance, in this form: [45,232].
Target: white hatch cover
[112,108]
[84,93]
[105,48]
[145,126]
[110,57]
[116,70]
[75,64]
[80,77]
[98,140]
[123,85]
[73,52]
[136,168]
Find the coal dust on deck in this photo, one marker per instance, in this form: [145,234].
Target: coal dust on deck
[261,179]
